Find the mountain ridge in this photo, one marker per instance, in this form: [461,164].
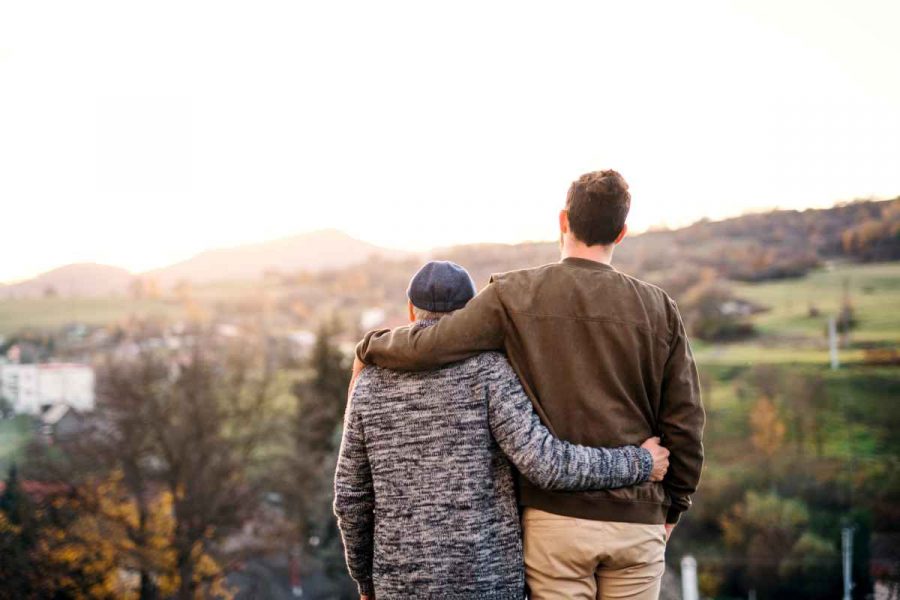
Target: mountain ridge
[779,243]
[312,251]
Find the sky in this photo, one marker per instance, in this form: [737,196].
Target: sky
[138,134]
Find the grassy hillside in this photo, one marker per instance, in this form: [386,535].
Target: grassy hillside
[787,333]
[50,313]
[795,449]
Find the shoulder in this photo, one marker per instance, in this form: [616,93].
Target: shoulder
[510,286]
[523,274]
[658,298]
[372,382]
[377,385]
[490,367]
[649,291]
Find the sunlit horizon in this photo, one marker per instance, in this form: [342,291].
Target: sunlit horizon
[139,136]
[424,250]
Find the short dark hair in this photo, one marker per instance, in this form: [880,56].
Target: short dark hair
[598,204]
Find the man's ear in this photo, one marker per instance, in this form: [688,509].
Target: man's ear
[621,235]
[412,312]
[564,221]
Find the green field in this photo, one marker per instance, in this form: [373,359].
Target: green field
[788,334]
[49,313]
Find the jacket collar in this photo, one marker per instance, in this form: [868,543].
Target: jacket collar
[587,264]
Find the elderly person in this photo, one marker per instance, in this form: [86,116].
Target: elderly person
[424,489]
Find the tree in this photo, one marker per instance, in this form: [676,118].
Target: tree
[712,312]
[45,552]
[16,537]
[183,430]
[768,428]
[320,403]
[761,531]
[769,536]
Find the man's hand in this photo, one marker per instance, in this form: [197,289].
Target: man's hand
[660,458]
[669,528]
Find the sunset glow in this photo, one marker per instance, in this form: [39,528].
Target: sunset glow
[138,135]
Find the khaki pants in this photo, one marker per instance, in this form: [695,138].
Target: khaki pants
[574,558]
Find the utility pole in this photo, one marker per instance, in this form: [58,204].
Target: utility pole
[689,590]
[847,555]
[833,343]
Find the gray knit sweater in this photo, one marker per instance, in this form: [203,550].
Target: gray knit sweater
[424,493]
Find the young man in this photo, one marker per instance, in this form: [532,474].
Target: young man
[424,497]
[606,362]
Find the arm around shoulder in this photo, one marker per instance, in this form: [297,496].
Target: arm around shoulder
[480,326]
[544,459]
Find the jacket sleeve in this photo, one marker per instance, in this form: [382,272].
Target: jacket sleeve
[354,498]
[478,327]
[545,460]
[681,420]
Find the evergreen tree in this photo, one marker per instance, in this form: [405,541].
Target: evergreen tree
[16,538]
[320,403]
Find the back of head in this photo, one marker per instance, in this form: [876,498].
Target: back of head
[598,204]
[438,289]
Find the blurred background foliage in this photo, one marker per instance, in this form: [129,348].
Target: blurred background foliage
[205,469]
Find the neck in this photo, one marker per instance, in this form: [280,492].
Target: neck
[575,249]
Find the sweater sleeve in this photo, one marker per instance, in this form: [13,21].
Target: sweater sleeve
[681,420]
[545,460]
[354,497]
[480,326]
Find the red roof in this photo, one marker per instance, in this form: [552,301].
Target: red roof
[38,490]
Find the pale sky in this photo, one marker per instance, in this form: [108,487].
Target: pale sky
[137,134]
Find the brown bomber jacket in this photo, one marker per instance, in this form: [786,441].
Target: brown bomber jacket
[603,357]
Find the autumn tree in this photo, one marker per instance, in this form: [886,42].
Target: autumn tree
[46,551]
[181,428]
[768,428]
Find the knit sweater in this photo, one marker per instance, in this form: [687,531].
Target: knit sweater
[424,493]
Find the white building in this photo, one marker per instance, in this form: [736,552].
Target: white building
[31,387]
[19,385]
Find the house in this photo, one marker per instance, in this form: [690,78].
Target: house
[39,491]
[61,421]
[31,387]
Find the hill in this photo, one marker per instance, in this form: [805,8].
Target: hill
[82,279]
[311,252]
[755,247]
[323,250]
